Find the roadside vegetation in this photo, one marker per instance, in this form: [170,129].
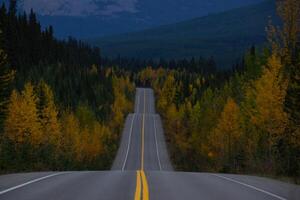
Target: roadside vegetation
[59,110]
[245,121]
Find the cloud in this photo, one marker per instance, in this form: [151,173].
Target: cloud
[120,6]
[80,7]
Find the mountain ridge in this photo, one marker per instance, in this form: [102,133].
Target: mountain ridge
[94,18]
[224,36]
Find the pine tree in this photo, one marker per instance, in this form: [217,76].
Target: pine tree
[6,78]
[12,7]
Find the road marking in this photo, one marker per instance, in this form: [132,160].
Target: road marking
[142,189]
[143,141]
[149,106]
[138,103]
[129,142]
[143,133]
[156,142]
[137,195]
[30,182]
[145,186]
[250,186]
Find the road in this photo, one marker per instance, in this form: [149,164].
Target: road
[142,170]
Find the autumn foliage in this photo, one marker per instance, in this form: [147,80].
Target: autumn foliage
[40,136]
[246,123]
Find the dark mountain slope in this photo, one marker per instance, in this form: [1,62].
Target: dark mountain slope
[224,36]
[80,18]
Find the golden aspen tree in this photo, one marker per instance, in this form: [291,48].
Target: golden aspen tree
[91,146]
[270,92]
[70,135]
[122,88]
[225,138]
[265,109]
[22,124]
[12,124]
[49,116]
[167,93]
[146,76]
[96,140]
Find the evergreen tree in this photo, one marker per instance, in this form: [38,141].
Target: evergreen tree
[6,78]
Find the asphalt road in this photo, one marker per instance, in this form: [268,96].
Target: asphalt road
[142,170]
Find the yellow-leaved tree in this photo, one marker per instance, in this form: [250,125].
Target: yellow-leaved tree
[270,92]
[70,137]
[22,124]
[122,89]
[265,110]
[225,139]
[167,93]
[48,116]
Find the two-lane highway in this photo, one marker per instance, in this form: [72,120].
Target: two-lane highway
[143,145]
[142,170]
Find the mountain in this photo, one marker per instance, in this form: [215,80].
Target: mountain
[92,18]
[225,36]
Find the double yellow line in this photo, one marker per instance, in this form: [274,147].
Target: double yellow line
[142,191]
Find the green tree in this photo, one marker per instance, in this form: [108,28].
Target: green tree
[6,78]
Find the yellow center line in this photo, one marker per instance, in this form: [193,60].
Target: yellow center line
[143,133]
[138,186]
[142,189]
[145,186]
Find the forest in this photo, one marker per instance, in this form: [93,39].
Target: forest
[59,109]
[246,122]
[62,106]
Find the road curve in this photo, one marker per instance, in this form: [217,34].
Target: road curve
[142,170]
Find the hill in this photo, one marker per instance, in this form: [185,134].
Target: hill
[225,36]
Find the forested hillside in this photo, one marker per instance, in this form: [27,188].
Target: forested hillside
[226,36]
[95,18]
[247,122]
[59,109]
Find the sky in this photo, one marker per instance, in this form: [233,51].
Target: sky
[93,18]
[80,7]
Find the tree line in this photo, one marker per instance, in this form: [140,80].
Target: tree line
[194,64]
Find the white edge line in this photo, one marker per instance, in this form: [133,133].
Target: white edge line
[250,186]
[30,182]
[144,101]
[129,142]
[156,143]
[130,132]
[138,102]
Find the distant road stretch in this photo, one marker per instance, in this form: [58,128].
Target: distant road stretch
[141,171]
